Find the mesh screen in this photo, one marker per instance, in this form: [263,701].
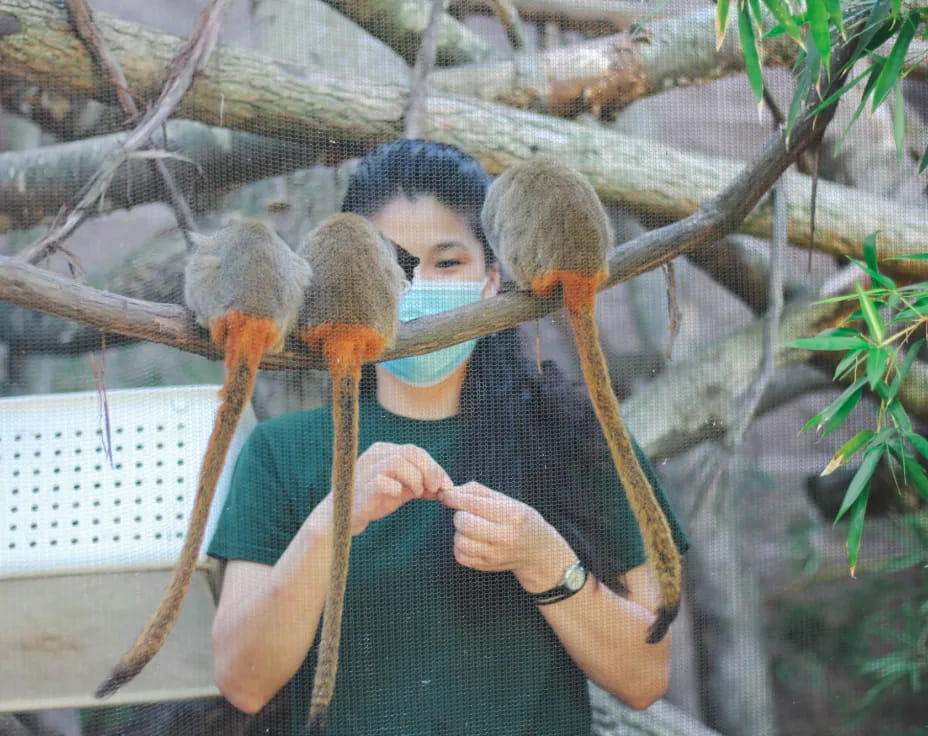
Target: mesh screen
[482,472]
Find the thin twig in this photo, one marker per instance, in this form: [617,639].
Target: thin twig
[86,29]
[751,398]
[508,16]
[674,315]
[189,60]
[414,115]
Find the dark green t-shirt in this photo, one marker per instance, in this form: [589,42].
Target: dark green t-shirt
[428,647]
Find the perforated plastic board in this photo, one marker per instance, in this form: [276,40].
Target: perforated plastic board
[66,508]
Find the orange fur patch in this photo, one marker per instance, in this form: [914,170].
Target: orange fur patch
[578,289]
[345,346]
[244,337]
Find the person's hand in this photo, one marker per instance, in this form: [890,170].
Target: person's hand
[493,532]
[386,476]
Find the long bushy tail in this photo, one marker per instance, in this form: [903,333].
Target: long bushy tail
[579,293]
[246,340]
[345,348]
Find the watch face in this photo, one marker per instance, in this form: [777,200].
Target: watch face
[575,578]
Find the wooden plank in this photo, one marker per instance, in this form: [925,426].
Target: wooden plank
[60,636]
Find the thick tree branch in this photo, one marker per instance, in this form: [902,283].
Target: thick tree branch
[588,16]
[611,72]
[35,183]
[253,93]
[401,23]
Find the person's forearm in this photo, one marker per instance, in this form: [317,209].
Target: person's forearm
[259,644]
[604,634]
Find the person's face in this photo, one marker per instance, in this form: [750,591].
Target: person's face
[446,247]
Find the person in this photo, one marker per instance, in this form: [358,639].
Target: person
[480,482]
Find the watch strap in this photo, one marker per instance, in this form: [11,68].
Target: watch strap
[563,591]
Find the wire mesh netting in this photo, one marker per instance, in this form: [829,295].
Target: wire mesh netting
[189,190]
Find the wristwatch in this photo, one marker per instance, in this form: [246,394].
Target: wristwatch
[574,579]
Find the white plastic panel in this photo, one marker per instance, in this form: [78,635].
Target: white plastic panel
[65,509]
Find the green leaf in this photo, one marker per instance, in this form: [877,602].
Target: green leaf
[821,36]
[873,74]
[900,416]
[721,23]
[871,37]
[861,479]
[849,362]
[834,12]
[781,12]
[848,450]
[877,358]
[835,95]
[923,164]
[808,65]
[899,123]
[911,257]
[749,49]
[826,342]
[892,69]
[856,530]
[919,443]
[869,248]
[836,405]
[841,411]
[871,316]
[902,369]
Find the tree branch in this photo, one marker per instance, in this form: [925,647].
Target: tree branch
[401,23]
[84,25]
[415,115]
[189,60]
[35,183]
[612,72]
[253,93]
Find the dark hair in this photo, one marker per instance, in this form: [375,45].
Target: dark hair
[415,168]
[512,415]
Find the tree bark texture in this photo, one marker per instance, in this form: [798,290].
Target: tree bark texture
[401,23]
[246,91]
[35,183]
[613,71]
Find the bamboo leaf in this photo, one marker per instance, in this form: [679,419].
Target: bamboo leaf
[861,479]
[749,49]
[877,359]
[892,69]
[848,450]
[899,122]
[856,530]
[721,23]
[870,251]
[900,416]
[842,411]
[849,363]
[919,443]
[781,12]
[821,37]
[834,12]
[871,316]
[826,342]
[902,369]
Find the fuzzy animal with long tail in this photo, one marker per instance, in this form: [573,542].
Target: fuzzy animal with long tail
[547,226]
[351,315]
[246,285]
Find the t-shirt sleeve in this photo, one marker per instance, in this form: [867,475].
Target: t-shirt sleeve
[256,522]
[620,530]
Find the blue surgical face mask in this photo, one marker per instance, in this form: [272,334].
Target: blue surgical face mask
[424,298]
